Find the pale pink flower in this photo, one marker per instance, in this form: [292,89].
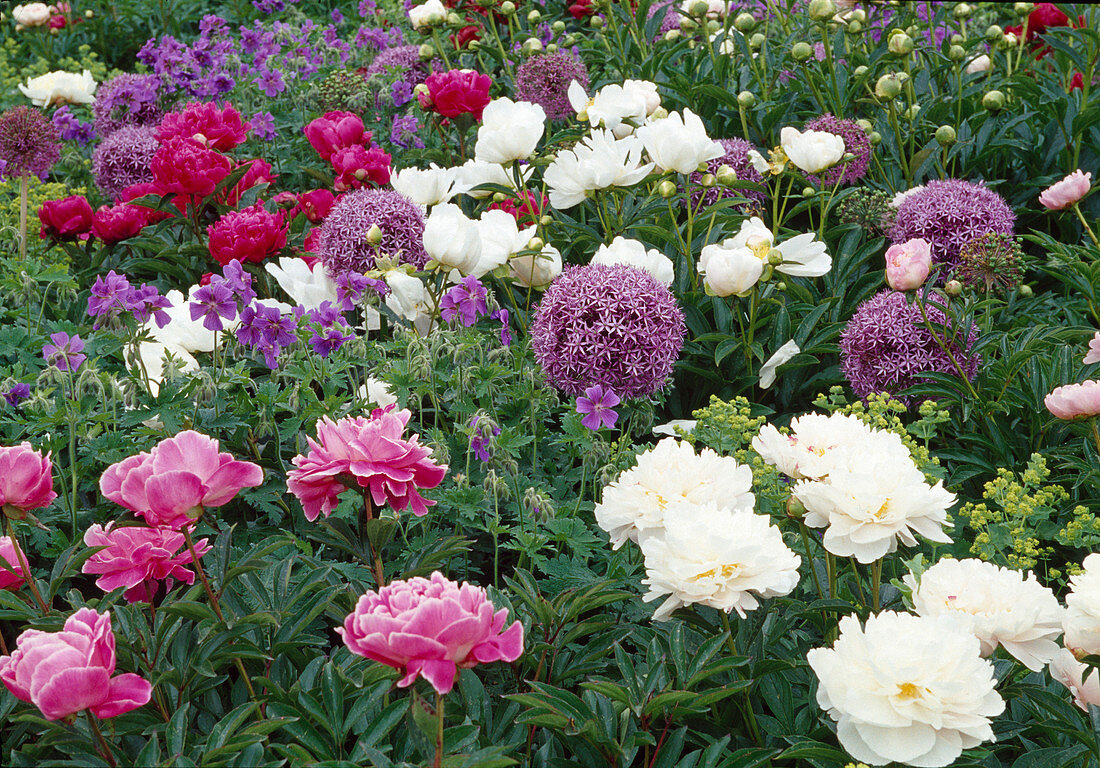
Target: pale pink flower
[431,628]
[1075,401]
[1082,681]
[138,557]
[371,452]
[171,484]
[1066,192]
[65,672]
[1093,355]
[12,573]
[907,264]
[26,480]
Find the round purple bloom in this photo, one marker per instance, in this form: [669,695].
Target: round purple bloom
[949,214]
[855,141]
[612,325]
[886,346]
[737,158]
[124,158]
[405,59]
[342,244]
[127,100]
[29,143]
[671,18]
[545,79]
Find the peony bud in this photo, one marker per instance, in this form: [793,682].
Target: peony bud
[953,288]
[900,44]
[532,45]
[888,86]
[1025,290]
[946,136]
[756,41]
[875,138]
[745,22]
[962,11]
[597,22]
[507,8]
[908,264]
[534,17]
[374,234]
[726,175]
[536,244]
[552,48]
[1023,9]
[865,125]
[775,257]
[860,71]
[993,101]
[707,180]
[746,99]
[801,51]
[666,189]
[956,53]
[426,53]
[822,10]
[808,191]
[558,27]
[699,10]
[994,33]
[855,27]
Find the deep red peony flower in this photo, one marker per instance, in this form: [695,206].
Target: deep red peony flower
[580,9]
[357,166]
[135,191]
[186,167]
[65,219]
[336,130]
[457,92]
[220,129]
[525,212]
[115,223]
[251,234]
[465,36]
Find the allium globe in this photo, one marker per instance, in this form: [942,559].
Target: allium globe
[343,246]
[248,235]
[855,142]
[373,453]
[885,347]
[127,100]
[431,628]
[124,158]
[545,79]
[949,214]
[737,158]
[29,143]
[138,558]
[607,324]
[186,167]
[214,127]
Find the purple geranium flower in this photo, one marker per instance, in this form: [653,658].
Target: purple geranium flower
[481,437]
[64,351]
[146,302]
[212,303]
[17,393]
[505,329]
[598,406]
[111,296]
[466,301]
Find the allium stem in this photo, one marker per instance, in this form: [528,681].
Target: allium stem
[23,194]
[945,347]
[103,749]
[26,566]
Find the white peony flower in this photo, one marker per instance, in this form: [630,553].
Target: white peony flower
[906,688]
[678,143]
[818,443]
[724,559]
[615,107]
[501,238]
[567,181]
[56,88]
[729,266]
[634,254]
[510,131]
[1082,681]
[978,64]
[153,355]
[474,173]
[873,501]
[729,270]
[647,91]
[1082,622]
[536,270]
[425,13]
[759,162]
[598,162]
[671,472]
[378,392]
[669,427]
[309,287]
[408,297]
[999,605]
[429,186]
[782,355]
[716,9]
[451,239]
[812,151]
[31,14]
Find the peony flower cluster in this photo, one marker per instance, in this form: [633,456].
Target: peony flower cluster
[57,88]
[679,143]
[212,127]
[906,688]
[812,151]
[249,235]
[456,92]
[510,131]
[599,161]
[617,108]
[431,628]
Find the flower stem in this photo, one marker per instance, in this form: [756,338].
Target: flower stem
[946,348]
[22,555]
[376,557]
[876,584]
[1085,224]
[103,749]
[438,762]
[809,558]
[750,716]
[23,193]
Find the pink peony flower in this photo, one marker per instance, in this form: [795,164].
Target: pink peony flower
[1066,192]
[431,629]
[1081,680]
[115,223]
[315,204]
[259,172]
[12,573]
[1093,355]
[356,166]
[1075,401]
[171,484]
[248,235]
[65,672]
[137,557]
[65,219]
[186,167]
[220,129]
[907,264]
[375,454]
[26,480]
[336,130]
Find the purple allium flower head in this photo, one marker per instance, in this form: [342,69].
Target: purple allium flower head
[64,351]
[16,393]
[127,100]
[111,296]
[886,346]
[29,143]
[212,303]
[855,141]
[607,324]
[737,158]
[124,158]
[671,18]
[598,407]
[465,301]
[949,214]
[403,60]
[545,79]
[342,244]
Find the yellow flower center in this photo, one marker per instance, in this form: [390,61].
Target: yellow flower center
[725,571]
[759,245]
[909,691]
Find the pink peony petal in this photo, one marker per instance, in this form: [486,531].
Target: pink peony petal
[127,691]
[71,690]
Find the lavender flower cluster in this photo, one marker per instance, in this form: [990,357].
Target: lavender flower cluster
[113,295]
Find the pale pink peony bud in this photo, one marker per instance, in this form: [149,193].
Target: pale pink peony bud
[1075,401]
[1067,191]
[907,264]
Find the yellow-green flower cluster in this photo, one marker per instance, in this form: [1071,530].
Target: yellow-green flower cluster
[38,192]
[727,426]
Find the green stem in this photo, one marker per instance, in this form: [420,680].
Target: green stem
[946,348]
[876,584]
[21,555]
[23,194]
[1085,224]
[750,716]
[809,558]
[438,762]
[104,749]
[376,556]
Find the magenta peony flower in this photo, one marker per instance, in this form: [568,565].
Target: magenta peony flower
[26,480]
[186,167]
[259,172]
[113,224]
[220,129]
[65,672]
[65,219]
[1075,401]
[355,166]
[431,628]
[374,453]
[12,573]
[248,235]
[171,484]
[137,557]
[335,131]
[1066,192]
